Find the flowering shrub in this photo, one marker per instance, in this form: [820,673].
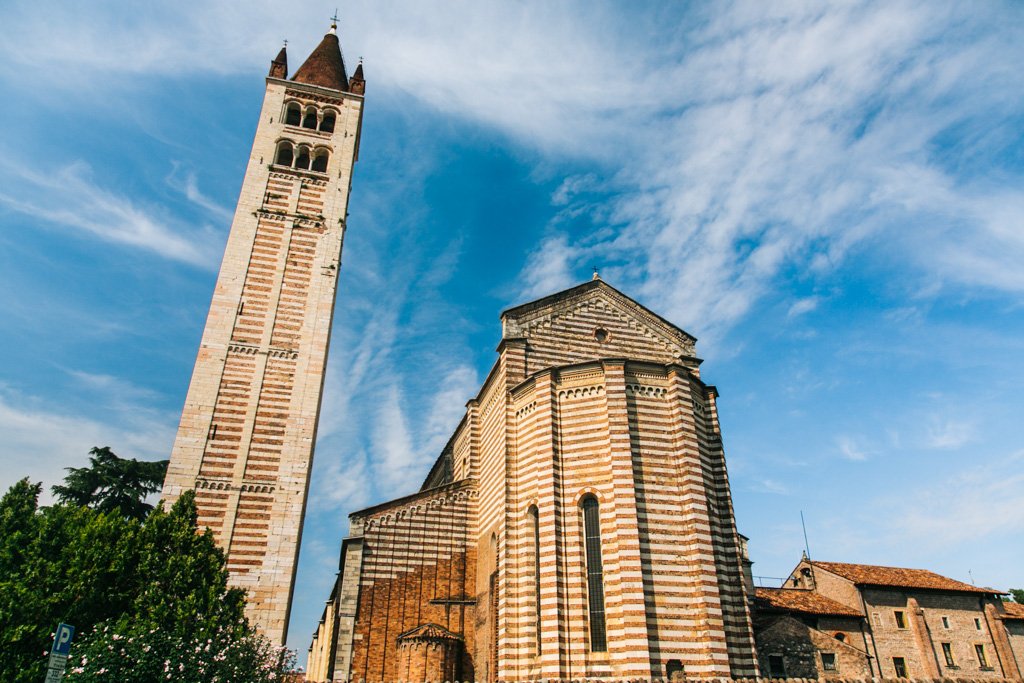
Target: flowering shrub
[149,599]
[114,654]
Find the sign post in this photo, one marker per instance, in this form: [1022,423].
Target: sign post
[59,653]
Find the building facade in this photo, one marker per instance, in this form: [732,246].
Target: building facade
[579,523]
[245,441]
[915,623]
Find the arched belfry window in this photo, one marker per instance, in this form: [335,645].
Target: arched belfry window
[309,120]
[285,154]
[327,124]
[595,573]
[293,114]
[534,529]
[302,160]
[320,160]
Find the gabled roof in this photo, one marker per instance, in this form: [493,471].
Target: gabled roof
[517,320]
[429,631]
[324,66]
[872,575]
[1014,612]
[800,601]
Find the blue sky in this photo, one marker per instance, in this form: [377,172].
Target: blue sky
[828,197]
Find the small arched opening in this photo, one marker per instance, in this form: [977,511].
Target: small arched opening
[320,160]
[293,114]
[309,119]
[327,124]
[285,154]
[302,159]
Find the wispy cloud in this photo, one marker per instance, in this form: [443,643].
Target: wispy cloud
[69,199]
[949,434]
[41,439]
[852,448]
[187,183]
[802,306]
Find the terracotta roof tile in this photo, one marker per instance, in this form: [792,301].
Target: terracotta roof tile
[801,601]
[324,66]
[871,575]
[1014,611]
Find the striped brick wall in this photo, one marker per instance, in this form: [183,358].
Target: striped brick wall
[418,566]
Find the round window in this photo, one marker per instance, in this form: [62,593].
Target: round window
[601,335]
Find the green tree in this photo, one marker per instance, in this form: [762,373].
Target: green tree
[1018,595]
[147,598]
[113,484]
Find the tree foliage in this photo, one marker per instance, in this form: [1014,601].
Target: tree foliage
[112,484]
[1018,595]
[153,592]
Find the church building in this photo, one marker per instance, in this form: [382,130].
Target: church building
[578,524]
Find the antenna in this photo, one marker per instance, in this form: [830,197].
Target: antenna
[970,575]
[807,547]
[807,551]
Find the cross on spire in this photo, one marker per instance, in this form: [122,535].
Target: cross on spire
[334,19]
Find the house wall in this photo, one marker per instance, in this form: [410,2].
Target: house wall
[920,643]
[801,647]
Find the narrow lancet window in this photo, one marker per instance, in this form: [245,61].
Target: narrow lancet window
[309,120]
[327,125]
[595,574]
[320,161]
[284,154]
[302,161]
[293,115]
[535,530]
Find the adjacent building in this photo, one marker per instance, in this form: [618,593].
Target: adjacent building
[579,523]
[903,623]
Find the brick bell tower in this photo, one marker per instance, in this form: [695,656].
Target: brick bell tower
[245,441]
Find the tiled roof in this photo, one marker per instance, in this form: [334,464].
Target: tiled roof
[1014,611]
[324,66]
[802,601]
[871,575]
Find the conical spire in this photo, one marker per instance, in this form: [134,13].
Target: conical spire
[279,67]
[325,66]
[357,84]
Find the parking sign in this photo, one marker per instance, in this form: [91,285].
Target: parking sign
[59,653]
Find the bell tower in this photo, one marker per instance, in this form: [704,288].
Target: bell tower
[247,431]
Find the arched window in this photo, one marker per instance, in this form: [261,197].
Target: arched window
[595,573]
[841,637]
[284,154]
[320,161]
[327,125]
[309,120]
[293,114]
[302,160]
[534,520]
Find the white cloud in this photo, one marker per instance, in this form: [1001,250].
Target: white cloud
[949,434]
[851,449]
[801,306]
[982,501]
[41,440]
[68,199]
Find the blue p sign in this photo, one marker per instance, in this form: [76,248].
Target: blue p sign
[62,639]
